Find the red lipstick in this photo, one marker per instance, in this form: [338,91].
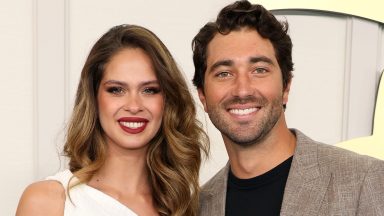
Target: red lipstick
[133,125]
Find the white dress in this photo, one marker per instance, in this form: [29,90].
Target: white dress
[87,200]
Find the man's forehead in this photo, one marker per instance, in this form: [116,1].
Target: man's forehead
[241,45]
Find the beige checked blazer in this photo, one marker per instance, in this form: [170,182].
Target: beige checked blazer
[323,180]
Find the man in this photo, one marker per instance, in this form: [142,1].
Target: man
[243,70]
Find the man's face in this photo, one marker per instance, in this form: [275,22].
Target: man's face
[243,90]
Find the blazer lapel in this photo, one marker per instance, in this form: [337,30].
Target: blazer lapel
[306,186]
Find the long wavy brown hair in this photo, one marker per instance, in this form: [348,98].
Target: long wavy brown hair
[174,154]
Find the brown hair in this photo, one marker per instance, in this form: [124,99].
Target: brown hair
[174,154]
[233,17]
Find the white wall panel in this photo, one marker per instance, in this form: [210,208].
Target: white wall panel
[380,52]
[316,98]
[51,85]
[16,105]
[364,60]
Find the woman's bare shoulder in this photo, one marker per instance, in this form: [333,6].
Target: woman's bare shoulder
[42,198]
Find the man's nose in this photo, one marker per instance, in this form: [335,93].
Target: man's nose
[243,86]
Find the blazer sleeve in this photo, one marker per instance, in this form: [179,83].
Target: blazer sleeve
[371,201]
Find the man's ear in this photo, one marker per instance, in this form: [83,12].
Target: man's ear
[286,92]
[200,91]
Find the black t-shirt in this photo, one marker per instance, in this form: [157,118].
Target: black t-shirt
[261,195]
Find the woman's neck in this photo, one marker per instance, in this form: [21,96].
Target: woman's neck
[123,173]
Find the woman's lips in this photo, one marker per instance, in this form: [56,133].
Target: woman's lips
[133,125]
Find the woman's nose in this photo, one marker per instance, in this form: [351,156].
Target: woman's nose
[133,103]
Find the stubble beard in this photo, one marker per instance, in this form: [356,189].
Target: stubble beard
[248,133]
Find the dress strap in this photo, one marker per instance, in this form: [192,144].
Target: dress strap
[62,177]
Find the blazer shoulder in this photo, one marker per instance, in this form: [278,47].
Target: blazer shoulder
[341,160]
[42,198]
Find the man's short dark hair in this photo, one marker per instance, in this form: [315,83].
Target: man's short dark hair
[234,17]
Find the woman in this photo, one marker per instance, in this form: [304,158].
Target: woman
[133,141]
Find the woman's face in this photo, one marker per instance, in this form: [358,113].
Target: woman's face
[130,100]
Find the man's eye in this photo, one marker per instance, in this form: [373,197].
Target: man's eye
[260,70]
[115,90]
[151,90]
[223,74]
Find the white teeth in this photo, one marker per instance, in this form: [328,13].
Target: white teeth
[242,111]
[132,125]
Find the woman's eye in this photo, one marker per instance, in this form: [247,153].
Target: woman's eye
[151,90]
[115,90]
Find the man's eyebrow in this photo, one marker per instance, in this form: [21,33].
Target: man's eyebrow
[217,64]
[260,59]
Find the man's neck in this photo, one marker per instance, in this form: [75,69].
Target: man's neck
[252,161]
